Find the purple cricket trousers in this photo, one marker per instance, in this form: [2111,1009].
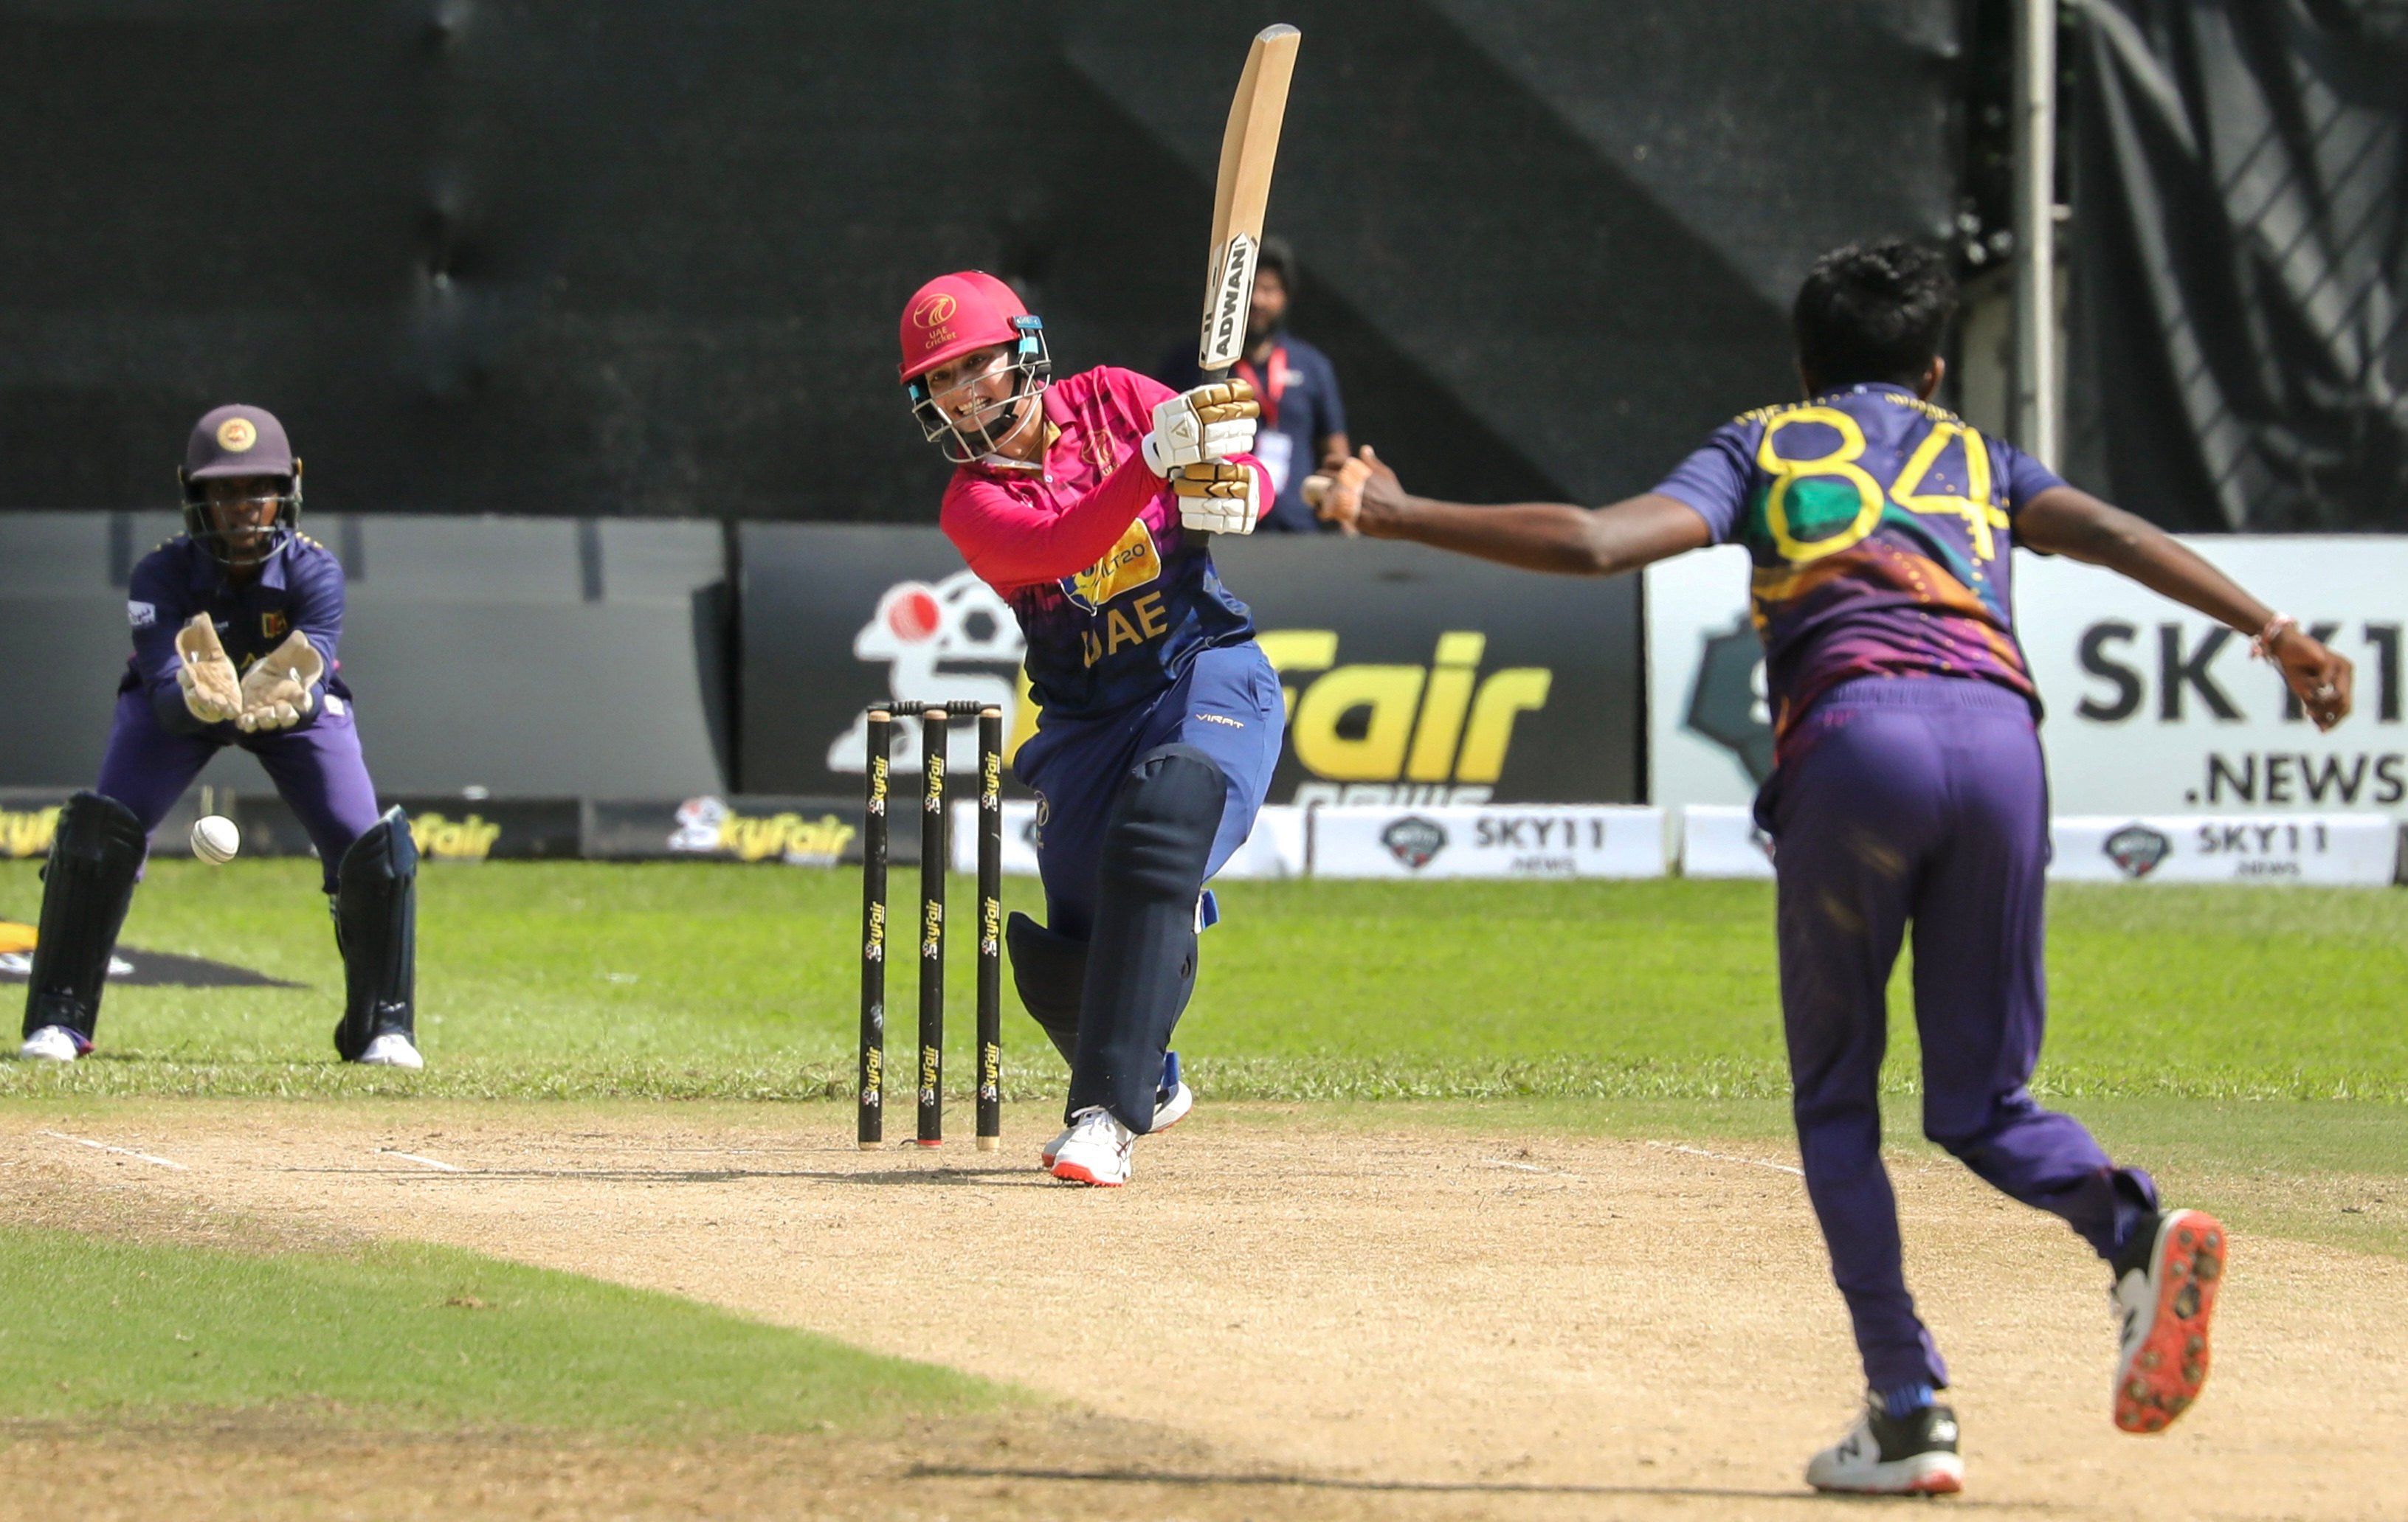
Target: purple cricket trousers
[1922,799]
[316,767]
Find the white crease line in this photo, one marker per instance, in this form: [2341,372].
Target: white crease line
[413,1157]
[1526,1168]
[1723,1157]
[120,1151]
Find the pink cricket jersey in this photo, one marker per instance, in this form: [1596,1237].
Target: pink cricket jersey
[1115,597]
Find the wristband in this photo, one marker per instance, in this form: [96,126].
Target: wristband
[2262,647]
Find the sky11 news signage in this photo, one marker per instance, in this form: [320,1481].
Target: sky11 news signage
[2152,708]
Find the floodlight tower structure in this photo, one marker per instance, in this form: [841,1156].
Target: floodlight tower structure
[2039,410]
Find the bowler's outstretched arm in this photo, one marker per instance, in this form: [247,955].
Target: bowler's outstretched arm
[1366,497]
[2069,521]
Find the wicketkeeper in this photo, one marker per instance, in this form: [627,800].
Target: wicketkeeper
[235,622]
[1088,505]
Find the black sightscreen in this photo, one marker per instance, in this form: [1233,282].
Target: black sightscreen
[598,257]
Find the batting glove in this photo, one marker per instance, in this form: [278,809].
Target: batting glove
[1210,422]
[1219,498]
[211,692]
[276,694]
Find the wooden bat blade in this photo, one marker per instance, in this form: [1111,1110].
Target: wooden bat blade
[1249,147]
[1271,59]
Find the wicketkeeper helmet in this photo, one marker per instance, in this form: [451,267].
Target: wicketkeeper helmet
[231,441]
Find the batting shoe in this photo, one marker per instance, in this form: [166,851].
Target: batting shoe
[1172,1100]
[1053,1149]
[1913,1454]
[53,1044]
[1097,1150]
[2166,1280]
[392,1050]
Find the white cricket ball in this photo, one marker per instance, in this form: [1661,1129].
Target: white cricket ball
[215,839]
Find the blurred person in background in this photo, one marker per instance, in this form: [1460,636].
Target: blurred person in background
[1304,419]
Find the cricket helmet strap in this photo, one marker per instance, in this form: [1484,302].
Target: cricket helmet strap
[959,314]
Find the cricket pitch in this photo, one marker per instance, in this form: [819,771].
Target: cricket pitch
[1285,1316]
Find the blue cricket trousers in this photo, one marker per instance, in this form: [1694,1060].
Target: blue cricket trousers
[316,767]
[1226,705]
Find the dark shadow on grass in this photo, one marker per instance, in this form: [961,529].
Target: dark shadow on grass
[1480,1488]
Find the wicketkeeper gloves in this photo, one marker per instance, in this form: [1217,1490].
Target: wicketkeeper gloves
[277,695]
[1210,422]
[213,694]
[1218,498]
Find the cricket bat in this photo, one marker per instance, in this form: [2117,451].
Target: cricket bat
[1248,147]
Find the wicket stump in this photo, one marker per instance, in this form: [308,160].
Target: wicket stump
[875,921]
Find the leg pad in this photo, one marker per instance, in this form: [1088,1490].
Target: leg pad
[96,852]
[1050,970]
[1141,961]
[376,927]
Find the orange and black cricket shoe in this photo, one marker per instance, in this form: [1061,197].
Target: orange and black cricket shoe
[2166,1281]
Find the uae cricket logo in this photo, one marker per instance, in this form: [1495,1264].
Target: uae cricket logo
[1727,703]
[1415,841]
[2136,849]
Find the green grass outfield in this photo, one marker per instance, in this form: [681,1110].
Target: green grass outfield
[592,981]
[409,1335]
[2249,1042]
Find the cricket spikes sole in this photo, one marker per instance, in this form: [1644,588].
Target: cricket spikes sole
[2166,1304]
[53,1044]
[1914,1455]
[1097,1151]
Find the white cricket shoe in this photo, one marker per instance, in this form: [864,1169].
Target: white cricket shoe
[53,1044]
[1172,1098]
[2166,1282]
[391,1050]
[1171,1103]
[1097,1151]
[1170,1107]
[1893,1456]
[1053,1149]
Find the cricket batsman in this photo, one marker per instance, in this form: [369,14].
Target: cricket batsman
[235,623]
[1907,789]
[1088,505]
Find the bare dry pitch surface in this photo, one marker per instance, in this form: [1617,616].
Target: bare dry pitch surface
[1290,1314]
